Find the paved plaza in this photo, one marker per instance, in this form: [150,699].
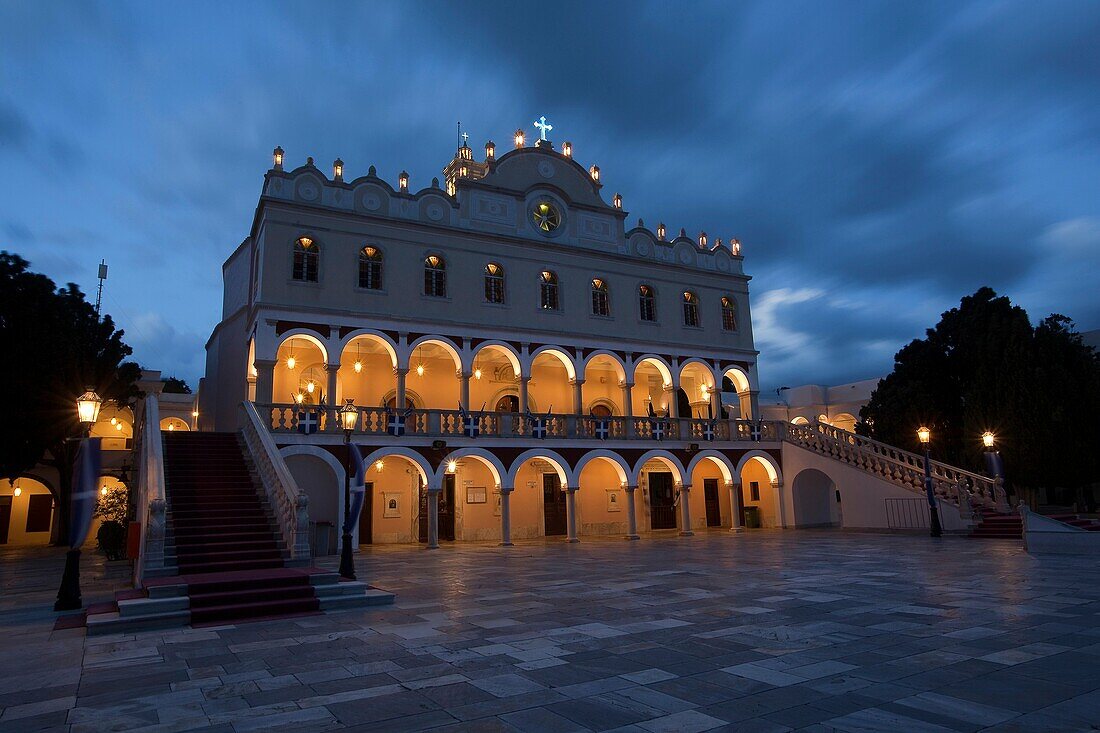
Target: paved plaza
[763,631]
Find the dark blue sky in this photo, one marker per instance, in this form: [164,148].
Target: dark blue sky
[877,159]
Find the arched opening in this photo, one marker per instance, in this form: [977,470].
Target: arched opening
[711,502]
[494,379]
[434,380]
[816,500]
[391,510]
[696,386]
[603,393]
[659,475]
[736,402]
[115,425]
[799,421]
[845,421]
[366,371]
[321,477]
[550,388]
[538,504]
[469,503]
[250,370]
[759,495]
[602,497]
[173,424]
[299,375]
[26,512]
[651,377]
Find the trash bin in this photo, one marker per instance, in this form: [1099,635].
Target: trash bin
[322,536]
[752,517]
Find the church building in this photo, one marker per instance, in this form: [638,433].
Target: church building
[513,359]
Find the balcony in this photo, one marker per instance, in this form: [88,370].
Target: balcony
[285,418]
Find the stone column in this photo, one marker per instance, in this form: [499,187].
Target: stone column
[433,518]
[331,370]
[578,396]
[781,510]
[628,410]
[672,400]
[736,500]
[685,511]
[505,516]
[465,398]
[571,514]
[750,404]
[716,402]
[399,393]
[524,405]
[265,381]
[631,514]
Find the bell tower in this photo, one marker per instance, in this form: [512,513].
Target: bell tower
[463,164]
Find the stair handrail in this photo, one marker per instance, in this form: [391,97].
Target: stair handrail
[290,504]
[901,467]
[150,493]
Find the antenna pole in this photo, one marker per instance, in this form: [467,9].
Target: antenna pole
[102,278]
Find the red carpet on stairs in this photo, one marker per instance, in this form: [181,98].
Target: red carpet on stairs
[226,545]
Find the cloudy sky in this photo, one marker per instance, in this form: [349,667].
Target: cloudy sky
[877,159]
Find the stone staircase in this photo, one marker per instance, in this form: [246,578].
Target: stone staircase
[224,559]
[1001,525]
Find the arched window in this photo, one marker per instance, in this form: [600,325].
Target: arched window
[548,290]
[647,303]
[307,255]
[435,277]
[691,309]
[370,268]
[729,314]
[601,304]
[494,283]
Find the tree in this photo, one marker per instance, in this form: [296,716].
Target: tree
[174,385]
[984,367]
[55,345]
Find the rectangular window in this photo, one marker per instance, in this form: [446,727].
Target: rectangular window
[729,322]
[691,314]
[370,274]
[754,490]
[435,283]
[600,304]
[39,512]
[549,299]
[494,289]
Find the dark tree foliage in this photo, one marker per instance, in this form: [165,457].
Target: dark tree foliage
[175,385]
[985,367]
[54,346]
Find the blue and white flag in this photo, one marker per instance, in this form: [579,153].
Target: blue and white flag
[658,429]
[538,424]
[708,426]
[85,491]
[309,421]
[358,488]
[754,432]
[471,424]
[602,428]
[395,424]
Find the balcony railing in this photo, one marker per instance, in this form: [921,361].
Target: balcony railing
[288,418]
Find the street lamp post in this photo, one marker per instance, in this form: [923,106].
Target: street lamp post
[925,436]
[349,420]
[68,595]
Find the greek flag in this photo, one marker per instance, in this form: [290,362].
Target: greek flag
[708,430]
[358,488]
[85,479]
[471,426]
[603,428]
[308,422]
[396,424]
[754,432]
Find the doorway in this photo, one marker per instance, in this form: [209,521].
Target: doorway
[366,516]
[553,505]
[710,494]
[5,518]
[662,509]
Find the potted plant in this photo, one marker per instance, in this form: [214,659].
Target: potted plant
[113,508]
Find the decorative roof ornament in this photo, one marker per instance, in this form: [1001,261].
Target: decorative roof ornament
[543,127]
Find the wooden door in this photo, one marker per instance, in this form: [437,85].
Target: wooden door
[447,509]
[662,511]
[553,505]
[366,516]
[5,518]
[710,494]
